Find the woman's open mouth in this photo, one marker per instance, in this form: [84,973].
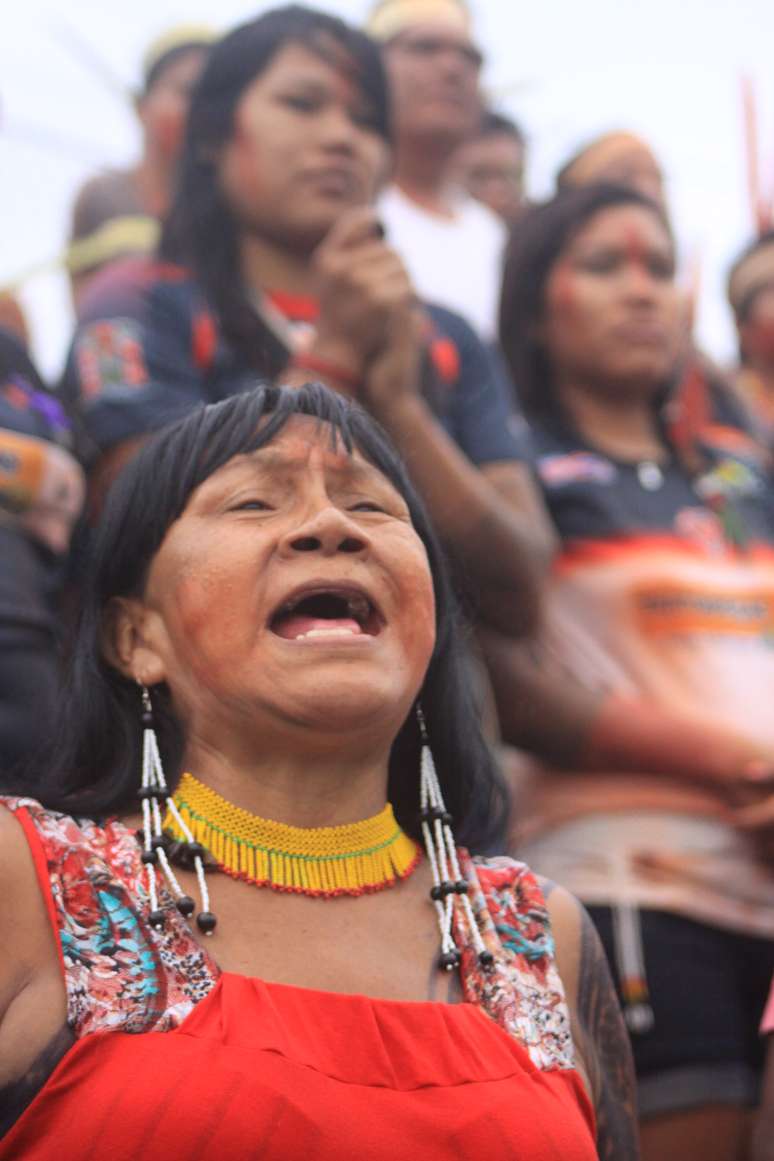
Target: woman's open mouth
[335,613]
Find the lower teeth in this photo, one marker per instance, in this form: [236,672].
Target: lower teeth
[328,633]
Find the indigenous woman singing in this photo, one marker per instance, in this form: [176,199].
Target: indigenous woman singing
[251,928]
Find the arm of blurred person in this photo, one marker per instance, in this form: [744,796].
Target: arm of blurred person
[479,495]
[546,711]
[756,818]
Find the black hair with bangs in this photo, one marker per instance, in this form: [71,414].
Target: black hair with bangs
[94,767]
[201,231]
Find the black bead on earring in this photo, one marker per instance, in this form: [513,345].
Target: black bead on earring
[448,882]
[153,791]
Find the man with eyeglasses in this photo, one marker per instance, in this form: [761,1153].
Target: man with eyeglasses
[451,244]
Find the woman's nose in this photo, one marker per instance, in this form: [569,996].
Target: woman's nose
[338,130]
[328,531]
[640,283]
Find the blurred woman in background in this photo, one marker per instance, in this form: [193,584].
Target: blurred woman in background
[751,297]
[658,635]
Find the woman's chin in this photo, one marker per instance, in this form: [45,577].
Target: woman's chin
[348,707]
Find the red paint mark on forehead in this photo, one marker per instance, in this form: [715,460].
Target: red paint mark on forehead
[635,244]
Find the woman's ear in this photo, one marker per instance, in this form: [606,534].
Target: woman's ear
[129,641]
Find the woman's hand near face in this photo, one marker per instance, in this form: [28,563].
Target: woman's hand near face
[394,373]
[373,330]
[367,301]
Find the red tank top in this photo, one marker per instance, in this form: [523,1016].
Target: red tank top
[175,1060]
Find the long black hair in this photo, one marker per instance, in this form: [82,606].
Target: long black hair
[94,768]
[201,231]
[538,241]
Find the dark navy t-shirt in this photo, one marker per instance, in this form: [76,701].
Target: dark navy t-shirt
[148,349]
[663,587]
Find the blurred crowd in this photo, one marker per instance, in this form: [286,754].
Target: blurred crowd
[603,490]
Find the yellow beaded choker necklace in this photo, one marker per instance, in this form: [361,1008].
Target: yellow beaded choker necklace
[323,861]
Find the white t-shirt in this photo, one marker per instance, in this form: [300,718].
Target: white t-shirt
[456,261]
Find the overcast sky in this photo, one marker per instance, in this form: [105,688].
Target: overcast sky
[668,69]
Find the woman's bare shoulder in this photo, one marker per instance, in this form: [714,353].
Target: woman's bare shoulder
[32,996]
[20,897]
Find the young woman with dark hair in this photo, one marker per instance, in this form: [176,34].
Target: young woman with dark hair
[273,264]
[267,690]
[751,297]
[654,670]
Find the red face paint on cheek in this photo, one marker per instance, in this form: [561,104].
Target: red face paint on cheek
[208,613]
[562,297]
[244,153]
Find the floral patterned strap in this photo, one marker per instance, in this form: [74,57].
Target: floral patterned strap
[119,974]
[523,992]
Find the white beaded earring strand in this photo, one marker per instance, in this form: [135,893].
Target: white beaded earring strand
[154,790]
[444,863]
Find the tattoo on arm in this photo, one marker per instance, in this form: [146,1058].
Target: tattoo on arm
[606,1052]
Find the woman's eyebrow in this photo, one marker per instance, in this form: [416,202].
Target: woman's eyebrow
[359,472]
[302,79]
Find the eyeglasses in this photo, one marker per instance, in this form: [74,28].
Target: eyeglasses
[431,46]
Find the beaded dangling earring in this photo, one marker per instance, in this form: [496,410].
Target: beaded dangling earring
[152,792]
[444,864]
